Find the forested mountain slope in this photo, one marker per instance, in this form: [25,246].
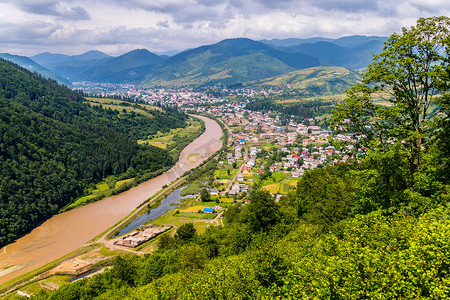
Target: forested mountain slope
[52,146]
[129,67]
[227,62]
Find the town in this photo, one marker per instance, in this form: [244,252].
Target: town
[262,151]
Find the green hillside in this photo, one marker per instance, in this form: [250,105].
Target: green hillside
[304,93]
[130,67]
[314,82]
[228,62]
[53,146]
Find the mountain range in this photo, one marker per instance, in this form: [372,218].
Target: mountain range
[32,66]
[71,67]
[227,62]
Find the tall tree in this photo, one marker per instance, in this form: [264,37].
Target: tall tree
[392,104]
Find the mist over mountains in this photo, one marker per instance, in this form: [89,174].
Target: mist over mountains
[228,62]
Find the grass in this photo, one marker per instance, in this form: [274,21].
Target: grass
[288,101]
[100,190]
[53,281]
[223,174]
[226,200]
[279,176]
[194,157]
[223,170]
[193,209]
[272,188]
[120,105]
[165,140]
[284,188]
[81,200]
[197,215]
[192,189]
[119,183]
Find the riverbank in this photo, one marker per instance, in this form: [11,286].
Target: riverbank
[70,230]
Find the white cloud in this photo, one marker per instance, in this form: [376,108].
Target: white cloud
[73,26]
[58,8]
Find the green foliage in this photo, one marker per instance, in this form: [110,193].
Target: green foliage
[191,189]
[125,269]
[324,196]
[205,196]
[371,256]
[186,233]
[262,212]
[408,75]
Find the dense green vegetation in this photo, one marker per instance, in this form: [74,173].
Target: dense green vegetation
[53,147]
[374,228]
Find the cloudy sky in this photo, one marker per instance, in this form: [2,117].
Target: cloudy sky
[29,27]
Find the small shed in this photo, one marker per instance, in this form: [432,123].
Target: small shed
[208,210]
[214,192]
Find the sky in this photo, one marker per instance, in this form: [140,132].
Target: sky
[29,27]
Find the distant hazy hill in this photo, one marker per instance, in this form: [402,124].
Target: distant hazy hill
[48,58]
[333,54]
[71,67]
[32,66]
[356,41]
[353,52]
[130,67]
[228,62]
[293,41]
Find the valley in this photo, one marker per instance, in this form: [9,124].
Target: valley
[298,168]
[68,231]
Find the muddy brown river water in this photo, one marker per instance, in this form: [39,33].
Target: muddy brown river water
[69,231]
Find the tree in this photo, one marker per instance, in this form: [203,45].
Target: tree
[125,268]
[262,212]
[186,233]
[324,195]
[392,104]
[205,196]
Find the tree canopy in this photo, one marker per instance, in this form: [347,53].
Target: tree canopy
[395,101]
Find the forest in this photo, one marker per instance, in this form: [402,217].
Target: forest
[53,146]
[375,227]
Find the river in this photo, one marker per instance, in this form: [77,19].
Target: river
[69,231]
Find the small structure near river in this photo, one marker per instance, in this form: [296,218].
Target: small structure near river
[142,235]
